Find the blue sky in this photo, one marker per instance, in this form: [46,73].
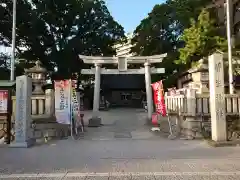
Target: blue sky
[129,13]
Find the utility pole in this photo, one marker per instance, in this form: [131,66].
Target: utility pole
[230,65]
[12,77]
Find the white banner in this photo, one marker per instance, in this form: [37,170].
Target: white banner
[75,105]
[63,101]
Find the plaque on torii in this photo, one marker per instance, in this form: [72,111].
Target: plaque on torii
[122,63]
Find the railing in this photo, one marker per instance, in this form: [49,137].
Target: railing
[37,106]
[232,104]
[202,104]
[176,104]
[182,105]
[193,114]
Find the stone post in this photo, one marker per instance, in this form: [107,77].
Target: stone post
[95,121]
[217,98]
[49,102]
[190,126]
[148,90]
[23,134]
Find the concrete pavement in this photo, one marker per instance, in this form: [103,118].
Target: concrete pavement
[124,148]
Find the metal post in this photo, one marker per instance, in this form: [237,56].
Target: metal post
[230,66]
[13,40]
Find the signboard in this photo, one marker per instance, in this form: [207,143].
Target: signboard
[217,97]
[63,101]
[159,98]
[3,101]
[122,64]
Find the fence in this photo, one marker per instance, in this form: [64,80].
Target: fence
[42,105]
[43,112]
[192,112]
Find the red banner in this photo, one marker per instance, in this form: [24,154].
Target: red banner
[155,119]
[3,101]
[159,98]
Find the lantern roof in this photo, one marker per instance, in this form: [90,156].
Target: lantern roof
[38,68]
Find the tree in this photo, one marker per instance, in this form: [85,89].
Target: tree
[162,30]
[55,32]
[201,39]
[157,34]
[184,10]
[153,35]
[4,73]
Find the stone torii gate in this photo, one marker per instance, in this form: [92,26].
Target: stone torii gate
[122,63]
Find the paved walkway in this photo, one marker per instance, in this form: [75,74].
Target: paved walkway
[128,124]
[123,148]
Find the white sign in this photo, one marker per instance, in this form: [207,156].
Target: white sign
[75,105]
[217,97]
[63,101]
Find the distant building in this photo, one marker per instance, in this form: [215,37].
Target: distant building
[123,49]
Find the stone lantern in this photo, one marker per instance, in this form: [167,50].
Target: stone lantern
[200,77]
[38,75]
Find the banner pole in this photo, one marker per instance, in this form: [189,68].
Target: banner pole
[71,118]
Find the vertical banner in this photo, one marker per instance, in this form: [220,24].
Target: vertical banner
[75,105]
[3,101]
[63,101]
[159,98]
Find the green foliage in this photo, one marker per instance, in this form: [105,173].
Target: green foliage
[183,30]
[160,33]
[4,73]
[152,36]
[56,32]
[184,10]
[201,39]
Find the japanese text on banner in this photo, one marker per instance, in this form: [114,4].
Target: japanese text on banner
[159,98]
[62,101]
[75,105]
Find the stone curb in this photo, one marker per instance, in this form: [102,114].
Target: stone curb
[222,144]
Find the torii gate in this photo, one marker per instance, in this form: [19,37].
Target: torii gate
[122,62]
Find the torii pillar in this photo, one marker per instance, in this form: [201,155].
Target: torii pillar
[95,121]
[148,81]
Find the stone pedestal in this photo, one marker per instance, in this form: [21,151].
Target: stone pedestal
[49,102]
[37,88]
[190,125]
[94,122]
[217,98]
[23,134]
[198,77]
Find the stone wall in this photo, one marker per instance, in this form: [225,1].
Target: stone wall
[193,113]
